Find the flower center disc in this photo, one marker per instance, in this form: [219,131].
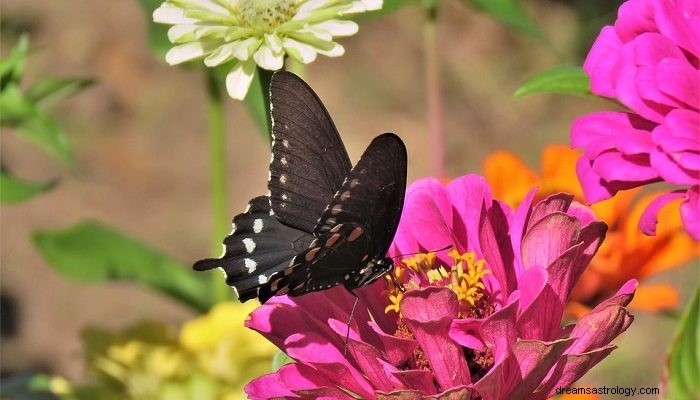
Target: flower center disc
[267,14]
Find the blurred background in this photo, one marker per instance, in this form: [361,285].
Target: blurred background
[139,136]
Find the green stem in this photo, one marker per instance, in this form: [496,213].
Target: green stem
[265,76]
[434,93]
[217,146]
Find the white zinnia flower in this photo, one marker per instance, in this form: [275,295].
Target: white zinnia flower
[258,32]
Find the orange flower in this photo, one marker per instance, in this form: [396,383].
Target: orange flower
[626,252]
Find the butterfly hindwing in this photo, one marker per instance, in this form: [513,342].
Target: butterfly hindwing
[309,161]
[258,247]
[331,259]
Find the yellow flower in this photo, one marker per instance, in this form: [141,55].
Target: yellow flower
[224,348]
[626,253]
[213,358]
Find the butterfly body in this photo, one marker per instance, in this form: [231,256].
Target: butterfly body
[324,222]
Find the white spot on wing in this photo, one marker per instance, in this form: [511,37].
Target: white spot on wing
[249,245]
[283,179]
[285,143]
[283,160]
[257,225]
[250,265]
[285,197]
[262,279]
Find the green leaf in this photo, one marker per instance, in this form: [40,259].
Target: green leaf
[684,356]
[93,252]
[157,33]
[567,80]
[12,66]
[51,90]
[32,124]
[15,190]
[510,13]
[279,359]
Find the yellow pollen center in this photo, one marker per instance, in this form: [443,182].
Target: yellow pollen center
[267,15]
[465,278]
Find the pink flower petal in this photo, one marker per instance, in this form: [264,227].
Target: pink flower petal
[598,328]
[427,216]
[685,84]
[559,202]
[464,331]
[679,20]
[599,64]
[286,380]
[670,171]
[549,238]
[420,380]
[690,212]
[568,370]
[535,359]
[428,313]
[613,166]
[315,351]
[495,244]
[468,193]
[397,350]
[633,18]
[679,132]
[648,220]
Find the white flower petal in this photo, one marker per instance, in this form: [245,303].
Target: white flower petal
[180,32]
[308,7]
[170,14]
[273,42]
[362,6]
[337,27]
[318,33]
[268,59]
[221,55]
[238,80]
[184,52]
[336,51]
[207,5]
[371,5]
[301,52]
[246,48]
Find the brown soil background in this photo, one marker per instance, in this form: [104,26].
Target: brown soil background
[140,139]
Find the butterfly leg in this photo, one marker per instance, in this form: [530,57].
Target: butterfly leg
[352,312]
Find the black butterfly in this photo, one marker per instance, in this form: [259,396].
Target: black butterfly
[322,223]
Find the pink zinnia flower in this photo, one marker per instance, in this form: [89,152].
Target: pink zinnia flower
[482,322]
[649,62]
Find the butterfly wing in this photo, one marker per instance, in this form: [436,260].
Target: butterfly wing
[309,160]
[357,226]
[258,247]
[372,194]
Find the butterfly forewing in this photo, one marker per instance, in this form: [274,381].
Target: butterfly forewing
[258,247]
[309,161]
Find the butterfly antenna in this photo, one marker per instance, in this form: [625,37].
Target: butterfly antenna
[449,246]
[347,334]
